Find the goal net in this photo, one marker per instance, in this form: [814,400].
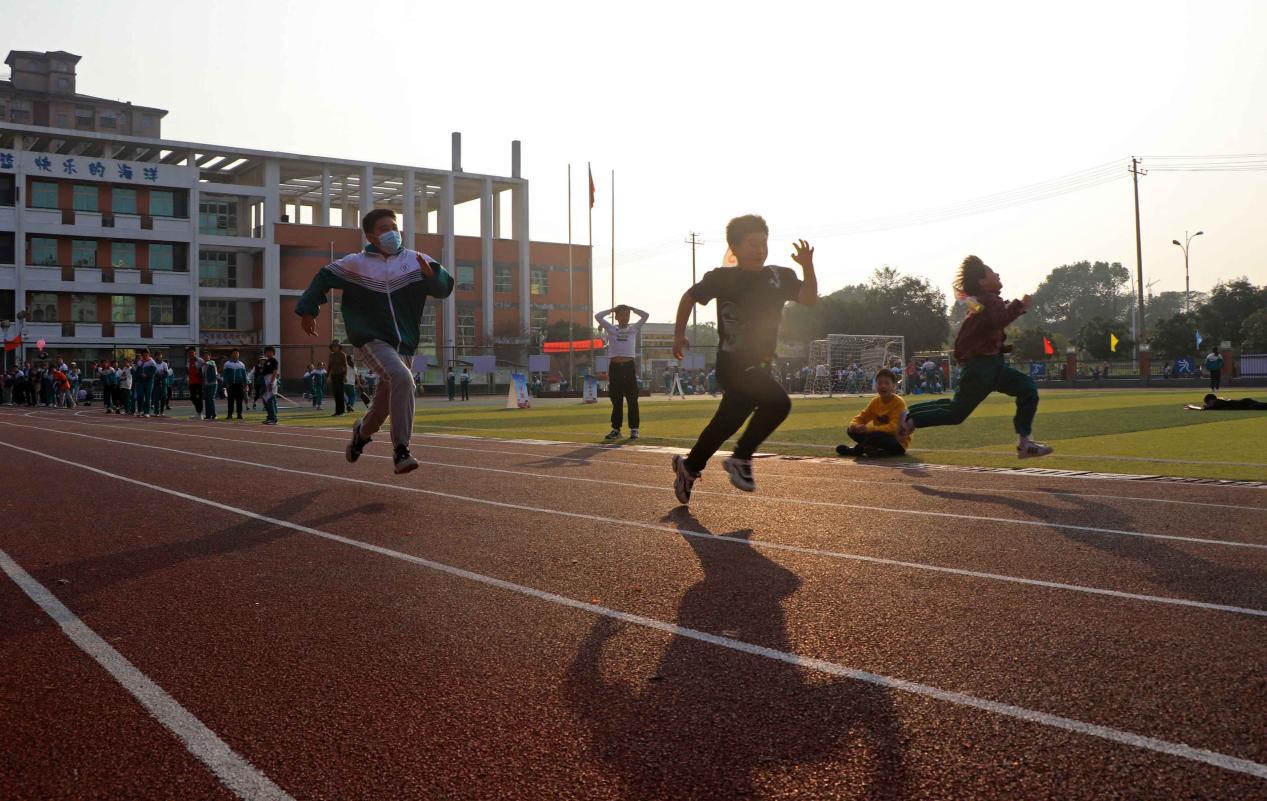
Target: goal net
[847,363]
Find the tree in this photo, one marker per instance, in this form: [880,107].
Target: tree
[1254,332]
[1027,343]
[1082,291]
[1174,337]
[1094,337]
[1230,304]
[890,303]
[1165,305]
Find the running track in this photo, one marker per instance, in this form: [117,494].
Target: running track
[211,610]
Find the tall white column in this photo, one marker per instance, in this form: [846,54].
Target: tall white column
[19,235]
[487,218]
[519,203]
[407,210]
[367,192]
[497,215]
[272,253]
[449,260]
[194,244]
[424,212]
[325,197]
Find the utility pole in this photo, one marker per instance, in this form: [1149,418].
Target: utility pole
[694,241]
[1136,172]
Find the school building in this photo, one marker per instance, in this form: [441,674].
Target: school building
[111,239]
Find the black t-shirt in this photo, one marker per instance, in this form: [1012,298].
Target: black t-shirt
[270,366]
[749,308]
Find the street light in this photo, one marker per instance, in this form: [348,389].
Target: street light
[1187,286]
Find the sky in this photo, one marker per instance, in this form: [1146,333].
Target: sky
[817,116]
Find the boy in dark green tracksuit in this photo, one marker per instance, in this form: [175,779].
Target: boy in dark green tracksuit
[979,348]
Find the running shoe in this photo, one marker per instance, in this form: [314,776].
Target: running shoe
[633,433]
[848,450]
[1029,449]
[613,434]
[905,425]
[405,461]
[740,471]
[683,480]
[357,444]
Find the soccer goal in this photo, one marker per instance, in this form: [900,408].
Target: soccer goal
[847,363]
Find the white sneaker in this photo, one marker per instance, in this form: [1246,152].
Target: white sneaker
[613,434]
[740,471]
[1029,449]
[683,479]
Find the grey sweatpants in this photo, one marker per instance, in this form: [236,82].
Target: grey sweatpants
[394,395]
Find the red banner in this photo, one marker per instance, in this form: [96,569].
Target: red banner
[1047,348]
[577,344]
[13,344]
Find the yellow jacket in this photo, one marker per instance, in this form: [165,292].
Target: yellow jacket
[884,417]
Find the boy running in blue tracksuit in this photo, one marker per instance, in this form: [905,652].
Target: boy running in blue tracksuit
[385,288]
[210,380]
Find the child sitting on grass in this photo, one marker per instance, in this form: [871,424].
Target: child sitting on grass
[875,429]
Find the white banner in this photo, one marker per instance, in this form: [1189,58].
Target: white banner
[484,364]
[517,395]
[590,393]
[539,363]
[89,168]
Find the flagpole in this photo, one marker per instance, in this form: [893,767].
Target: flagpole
[589,174]
[571,308]
[613,238]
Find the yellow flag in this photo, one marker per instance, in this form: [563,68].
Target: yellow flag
[1113,342]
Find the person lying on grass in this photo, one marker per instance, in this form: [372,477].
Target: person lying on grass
[1213,402]
[875,429]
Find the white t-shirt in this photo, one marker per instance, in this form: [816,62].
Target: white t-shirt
[621,342]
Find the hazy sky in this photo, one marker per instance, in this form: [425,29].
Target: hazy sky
[815,115]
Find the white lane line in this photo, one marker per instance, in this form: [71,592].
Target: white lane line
[636,524]
[1181,750]
[601,449]
[748,498]
[233,771]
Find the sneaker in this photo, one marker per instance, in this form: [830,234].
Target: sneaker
[270,422]
[405,462]
[683,480]
[848,450]
[145,416]
[633,433]
[366,399]
[358,443]
[905,425]
[1029,449]
[613,434]
[740,471]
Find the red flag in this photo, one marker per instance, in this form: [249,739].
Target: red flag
[591,172]
[13,344]
[1047,348]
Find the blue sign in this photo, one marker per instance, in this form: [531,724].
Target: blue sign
[1037,369]
[6,161]
[1183,366]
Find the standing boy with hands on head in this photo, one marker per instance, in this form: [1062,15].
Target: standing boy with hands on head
[385,287]
[622,372]
[750,298]
[979,348]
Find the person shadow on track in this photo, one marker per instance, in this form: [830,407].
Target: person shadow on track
[711,722]
[1169,563]
[78,583]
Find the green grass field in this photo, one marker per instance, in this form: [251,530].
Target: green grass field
[1118,431]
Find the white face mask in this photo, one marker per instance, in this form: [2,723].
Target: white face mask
[390,242]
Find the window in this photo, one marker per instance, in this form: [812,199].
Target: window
[215,217]
[162,256]
[169,310]
[109,121]
[218,314]
[123,201]
[503,278]
[213,269]
[60,66]
[466,328]
[43,195]
[63,84]
[162,204]
[83,252]
[465,281]
[427,326]
[83,119]
[63,120]
[540,280]
[123,308]
[85,198]
[7,251]
[20,115]
[147,122]
[43,307]
[43,251]
[83,308]
[8,189]
[123,255]
[540,318]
